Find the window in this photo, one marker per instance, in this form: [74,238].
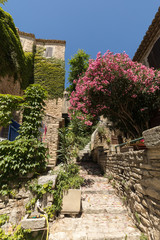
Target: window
[48,52]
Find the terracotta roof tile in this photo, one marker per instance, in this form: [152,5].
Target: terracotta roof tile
[50,41]
[26,34]
[41,40]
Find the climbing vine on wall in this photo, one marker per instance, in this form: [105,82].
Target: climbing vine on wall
[11,54]
[14,62]
[26,154]
[50,73]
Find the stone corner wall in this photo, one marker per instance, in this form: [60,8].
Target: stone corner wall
[51,138]
[9,86]
[136,176]
[54,107]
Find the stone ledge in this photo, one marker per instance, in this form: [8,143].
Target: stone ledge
[33,223]
[152,137]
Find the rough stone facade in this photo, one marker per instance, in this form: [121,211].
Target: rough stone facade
[57,47]
[27,40]
[54,107]
[15,207]
[136,176]
[53,121]
[53,48]
[51,138]
[10,86]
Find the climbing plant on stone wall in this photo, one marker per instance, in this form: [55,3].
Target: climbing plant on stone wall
[50,73]
[14,62]
[26,154]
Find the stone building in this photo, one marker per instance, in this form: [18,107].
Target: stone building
[53,119]
[53,48]
[148,52]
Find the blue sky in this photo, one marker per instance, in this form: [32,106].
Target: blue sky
[92,25]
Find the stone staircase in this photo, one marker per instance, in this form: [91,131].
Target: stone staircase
[85,154]
[104,217]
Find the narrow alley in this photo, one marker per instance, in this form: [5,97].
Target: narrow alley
[104,217]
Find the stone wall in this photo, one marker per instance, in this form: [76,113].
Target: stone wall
[15,207]
[10,86]
[27,41]
[57,46]
[54,107]
[136,176]
[51,138]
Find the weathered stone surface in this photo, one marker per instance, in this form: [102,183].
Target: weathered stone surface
[145,222]
[22,193]
[152,193]
[144,203]
[45,179]
[50,138]
[152,137]
[140,209]
[71,196]
[35,223]
[152,183]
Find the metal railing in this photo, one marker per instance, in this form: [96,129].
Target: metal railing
[130,142]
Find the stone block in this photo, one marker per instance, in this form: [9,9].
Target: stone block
[152,182]
[45,179]
[152,137]
[33,223]
[152,193]
[139,188]
[71,201]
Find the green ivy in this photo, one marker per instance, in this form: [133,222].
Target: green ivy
[8,103]
[26,154]
[3,219]
[33,111]
[28,73]
[19,234]
[14,62]
[11,54]
[50,73]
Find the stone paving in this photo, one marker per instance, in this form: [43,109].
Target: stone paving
[104,217]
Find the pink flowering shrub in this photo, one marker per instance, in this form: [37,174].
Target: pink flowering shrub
[114,86]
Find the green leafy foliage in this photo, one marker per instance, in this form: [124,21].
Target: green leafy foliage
[33,111]
[3,1]
[78,66]
[8,103]
[3,219]
[26,154]
[68,177]
[39,190]
[28,73]
[18,234]
[11,54]
[74,138]
[143,237]
[50,73]
[23,156]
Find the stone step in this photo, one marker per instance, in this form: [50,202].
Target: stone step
[94,203]
[94,227]
[109,191]
[93,236]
